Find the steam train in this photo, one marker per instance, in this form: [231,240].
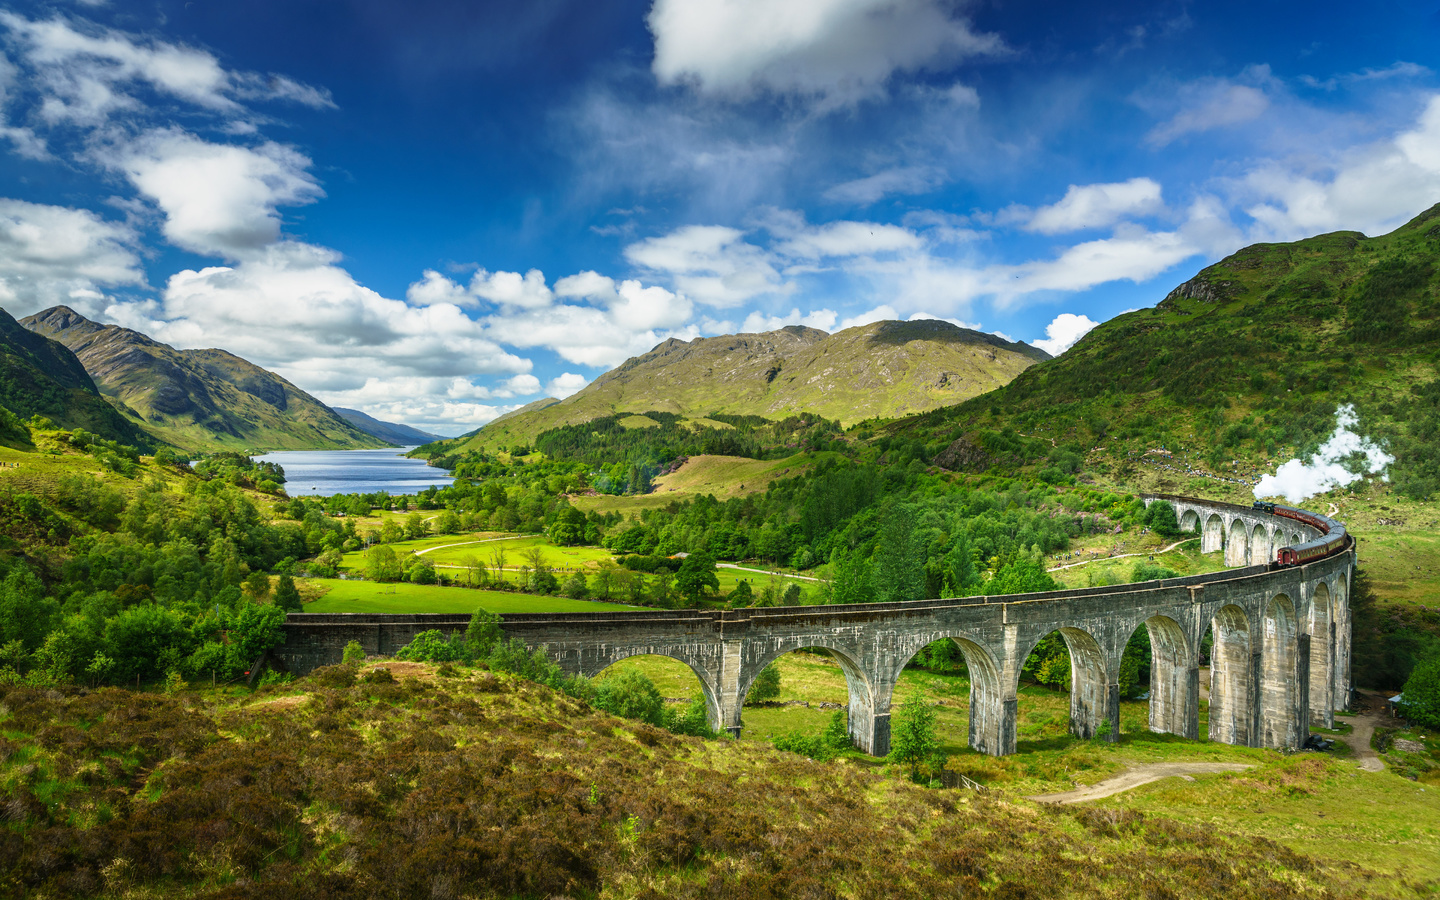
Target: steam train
[1332,534]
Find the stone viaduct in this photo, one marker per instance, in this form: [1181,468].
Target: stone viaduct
[1280,658]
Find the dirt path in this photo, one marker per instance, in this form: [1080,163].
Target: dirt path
[764,572]
[1368,715]
[513,537]
[1086,562]
[1136,776]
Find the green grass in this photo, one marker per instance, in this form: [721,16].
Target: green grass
[733,476]
[369,597]
[1183,560]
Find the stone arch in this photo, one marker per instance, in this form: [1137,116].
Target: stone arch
[1213,540]
[1174,679]
[1237,544]
[1094,691]
[1231,699]
[707,687]
[1189,521]
[1282,695]
[988,731]
[1260,545]
[868,712]
[1322,657]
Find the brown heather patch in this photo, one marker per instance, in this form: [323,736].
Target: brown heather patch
[485,786]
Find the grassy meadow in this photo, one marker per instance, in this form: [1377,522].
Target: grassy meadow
[333,595]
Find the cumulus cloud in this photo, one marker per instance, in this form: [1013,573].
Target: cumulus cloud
[711,263]
[904,180]
[835,50]
[54,255]
[1215,103]
[85,72]
[1344,459]
[565,384]
[511,289]
[1063,331]
[1097,206]
[294,309]
[1372,188]
[218,199]
[758,322]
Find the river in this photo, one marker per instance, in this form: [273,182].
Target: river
[321,473]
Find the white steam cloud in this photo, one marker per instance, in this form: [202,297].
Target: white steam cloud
[1327,470]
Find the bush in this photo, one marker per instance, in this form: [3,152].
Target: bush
[1420,701]
[633,695]
[354,654]
[766,685]
[433,646]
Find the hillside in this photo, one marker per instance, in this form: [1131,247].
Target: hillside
[393,432]
[884,369]
[198,399]
[41,376]
[1242,366]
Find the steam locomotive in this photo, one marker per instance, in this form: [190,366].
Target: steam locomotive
[1332,534]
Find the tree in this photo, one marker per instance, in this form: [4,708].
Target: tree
[914,742]
[575,587]
[353,655]
[697,579]
[1160,517]
[381,564]
[766,685]
[1420,701]
[852,582]
[604,581]
[422,572]
[899,561]
[633,695]
[286,595]
[742,596]
[447,522]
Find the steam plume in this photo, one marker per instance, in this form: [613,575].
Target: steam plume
[1326,470]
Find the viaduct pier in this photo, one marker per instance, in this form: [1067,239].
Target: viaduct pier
[1280,659]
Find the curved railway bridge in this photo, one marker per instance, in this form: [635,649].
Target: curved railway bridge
[1280,660]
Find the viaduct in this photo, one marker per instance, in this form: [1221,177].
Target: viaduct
[1280,658]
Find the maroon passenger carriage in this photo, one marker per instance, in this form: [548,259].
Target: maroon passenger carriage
[1332,535]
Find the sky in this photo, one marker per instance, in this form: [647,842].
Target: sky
[436,212]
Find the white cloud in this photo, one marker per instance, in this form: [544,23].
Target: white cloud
[1132,254]
[842,239]
[1372,188]
[905,180]
[586,284]
[433,288]
[292,308]
[881,313]
[1063,331]
[512,289]
[565,384]
[835,50]
[84,71]
[53,255]
[758,323]
[710,263]
[1215,103]
[218,199]
[1097,206]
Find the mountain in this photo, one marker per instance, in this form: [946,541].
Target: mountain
[884,369]
[41,376]
[197,399]
[1245,363]
[395,433]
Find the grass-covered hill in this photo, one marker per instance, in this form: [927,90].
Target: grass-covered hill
[39,376]
[884,369]
[480,784]
[198,399]
[1247,360]
[394,432]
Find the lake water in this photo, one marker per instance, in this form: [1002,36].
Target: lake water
[321,473]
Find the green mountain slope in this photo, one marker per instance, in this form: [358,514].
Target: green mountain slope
[41,376]
[1245,364]
[884,369]
[394,432]
[198,399]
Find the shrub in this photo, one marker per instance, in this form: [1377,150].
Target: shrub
[353,655]
[633,695]
[433,646]
[766,685]
[1420,702]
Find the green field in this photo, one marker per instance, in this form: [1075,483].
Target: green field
[368,597]
[1183,560]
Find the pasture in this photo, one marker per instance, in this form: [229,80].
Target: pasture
[341,596]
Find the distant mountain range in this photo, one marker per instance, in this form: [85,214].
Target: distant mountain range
[402,435]
[198,399]
[41,376]
[884,370]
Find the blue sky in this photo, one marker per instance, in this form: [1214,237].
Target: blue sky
[438,211]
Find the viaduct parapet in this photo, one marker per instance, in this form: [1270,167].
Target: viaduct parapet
[1280,659]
